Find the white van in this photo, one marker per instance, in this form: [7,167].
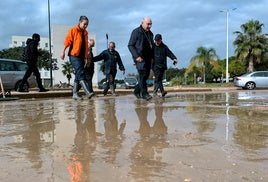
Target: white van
[12,72]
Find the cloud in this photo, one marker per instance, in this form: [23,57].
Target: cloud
[185,25]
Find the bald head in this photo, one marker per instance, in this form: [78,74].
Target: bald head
[146,23]
[91,43]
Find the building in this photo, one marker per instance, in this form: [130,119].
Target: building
[17,41]
[58,35]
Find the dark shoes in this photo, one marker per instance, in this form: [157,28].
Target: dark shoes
[146,97]
[137,95]
[40,90]
[164,93]
[43,90]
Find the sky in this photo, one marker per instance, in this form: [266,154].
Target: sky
[185,25]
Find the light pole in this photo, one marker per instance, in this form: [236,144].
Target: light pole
[227,42]
[49,38]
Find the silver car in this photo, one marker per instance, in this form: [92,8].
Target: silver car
[130,82]
[257,79]
[12,72]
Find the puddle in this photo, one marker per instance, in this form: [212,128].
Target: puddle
[184,137]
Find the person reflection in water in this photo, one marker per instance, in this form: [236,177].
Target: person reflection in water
[146,155]
[32,138]
[84,143]
[113,133]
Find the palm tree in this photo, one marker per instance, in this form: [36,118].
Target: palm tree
[203,57]
[67,70]
[251,43]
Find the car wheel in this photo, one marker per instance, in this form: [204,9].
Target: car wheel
[25,86]
[250,85]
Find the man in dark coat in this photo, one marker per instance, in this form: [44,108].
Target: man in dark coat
[140,46]
[111,58]
[161,52]
[32,63]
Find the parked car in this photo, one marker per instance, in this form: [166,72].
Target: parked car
[165,82]
[103,85]
[257,79]
[149,83]
[12,72]
[130,82]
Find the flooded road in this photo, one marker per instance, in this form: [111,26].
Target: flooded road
[185,137]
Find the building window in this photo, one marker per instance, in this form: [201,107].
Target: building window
[23,43]
[15,42]
[46,44]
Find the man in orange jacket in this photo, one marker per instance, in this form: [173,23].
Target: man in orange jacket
[77,42]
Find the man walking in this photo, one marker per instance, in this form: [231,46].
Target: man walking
[111,58]
[161,52]
[32,55]
[140,46]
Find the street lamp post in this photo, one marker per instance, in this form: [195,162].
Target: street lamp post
[227,42]
[49,37]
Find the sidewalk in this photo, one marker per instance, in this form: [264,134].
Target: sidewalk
[120,91]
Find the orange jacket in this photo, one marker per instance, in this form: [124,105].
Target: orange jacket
[74,38]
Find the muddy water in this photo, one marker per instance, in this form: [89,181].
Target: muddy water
[185,137]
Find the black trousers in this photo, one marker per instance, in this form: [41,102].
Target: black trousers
[110,77]
[141,88]
[89,76]
[158,73]
[32,68]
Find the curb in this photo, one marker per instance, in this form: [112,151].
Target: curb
[68,92]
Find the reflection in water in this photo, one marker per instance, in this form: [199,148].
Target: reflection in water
[227,116]
[113,135]
[251,129]
[176,139]
[84,142]
[37,131]
[26,137]
[146,155]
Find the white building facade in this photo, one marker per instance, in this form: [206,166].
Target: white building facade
[58,35]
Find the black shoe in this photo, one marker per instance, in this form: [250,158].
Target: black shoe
[146,97]
[43,90]
[104,93]
[164,93]
[137,95]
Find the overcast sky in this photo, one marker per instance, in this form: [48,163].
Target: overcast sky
[184,24]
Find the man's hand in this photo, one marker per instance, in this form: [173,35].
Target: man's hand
[62,55]
[87,62]
[139,59]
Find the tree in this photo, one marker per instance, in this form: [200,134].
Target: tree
[43,59]
[174,72]
[67,71]
[236,67]
[251,43]
[203,58]
[44,62]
